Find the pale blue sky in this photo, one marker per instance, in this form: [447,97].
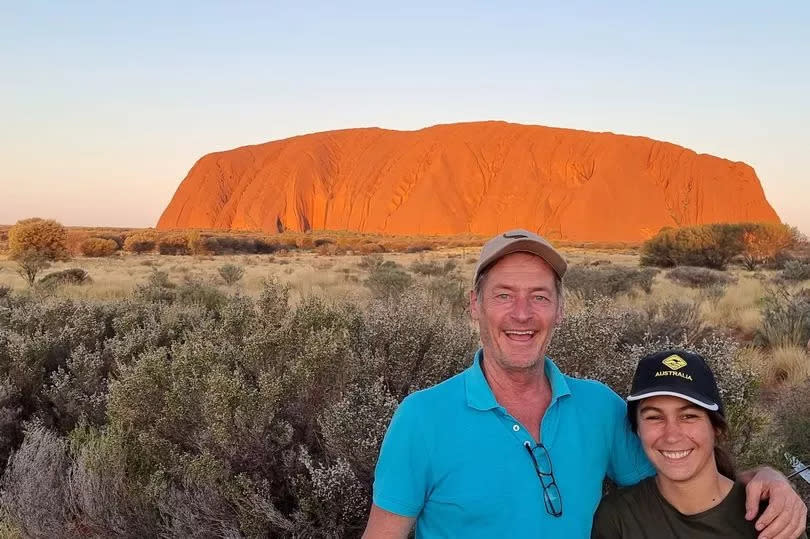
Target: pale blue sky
[104,107]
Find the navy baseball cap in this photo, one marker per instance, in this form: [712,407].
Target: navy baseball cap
[677,373]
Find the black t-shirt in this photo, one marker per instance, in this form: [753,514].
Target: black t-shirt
[641,512]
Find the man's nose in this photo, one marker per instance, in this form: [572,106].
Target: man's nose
[521,309]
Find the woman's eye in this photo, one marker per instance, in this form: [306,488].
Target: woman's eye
[652,418]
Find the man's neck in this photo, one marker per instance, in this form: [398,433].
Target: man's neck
[701,493]
[525,393]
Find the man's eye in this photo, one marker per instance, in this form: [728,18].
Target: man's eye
[689,417]
[502,296]
[540,298]
[651,418]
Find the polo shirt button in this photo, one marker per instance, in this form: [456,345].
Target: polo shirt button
[515,427]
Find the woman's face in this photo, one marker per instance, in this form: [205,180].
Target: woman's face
[677,436]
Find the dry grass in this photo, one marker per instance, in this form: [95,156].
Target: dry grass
[778,367]
[307,273]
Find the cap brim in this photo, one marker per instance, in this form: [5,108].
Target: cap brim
[546,252]
[658,392]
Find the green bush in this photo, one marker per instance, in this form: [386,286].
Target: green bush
[796,270]
[712,246]
[388,279]
[611,280]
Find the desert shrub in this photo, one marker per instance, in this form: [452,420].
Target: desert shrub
[35,485]
[4,291]
[590,281]
[793,421]
[45,237]
[106,498]
[785,318]
[74,276]
[675,320]
[196,243]
[98,247]
[388,279]
[158,287]
[796,270]
[712,246]
[141,242]
[452,291]
[697,277]
[196,292]
[593,341]
[231,273]
[173,244]
[432,268]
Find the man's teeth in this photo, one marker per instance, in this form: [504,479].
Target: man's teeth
[527,332]
[676,455]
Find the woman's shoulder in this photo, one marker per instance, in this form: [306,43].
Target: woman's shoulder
[620,509]
[637,495]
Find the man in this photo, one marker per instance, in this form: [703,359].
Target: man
[512,445]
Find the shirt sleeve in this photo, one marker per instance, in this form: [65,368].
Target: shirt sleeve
[627,464]
[401,479]
[605,523]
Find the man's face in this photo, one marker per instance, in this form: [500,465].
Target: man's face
[517,311]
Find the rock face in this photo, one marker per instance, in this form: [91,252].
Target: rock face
[477,178]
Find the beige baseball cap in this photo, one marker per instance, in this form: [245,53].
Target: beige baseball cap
[519,241]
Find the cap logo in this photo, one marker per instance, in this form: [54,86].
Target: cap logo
[513,236]
[674,362]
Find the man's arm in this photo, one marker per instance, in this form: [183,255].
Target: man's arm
[383,524]
[786,515]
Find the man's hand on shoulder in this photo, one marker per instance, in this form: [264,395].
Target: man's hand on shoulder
[383,524]
[785,517]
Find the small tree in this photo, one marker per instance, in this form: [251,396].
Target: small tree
[30,263]
[764,241]
[34,243]
[231,273]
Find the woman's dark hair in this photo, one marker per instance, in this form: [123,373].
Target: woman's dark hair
[725,463]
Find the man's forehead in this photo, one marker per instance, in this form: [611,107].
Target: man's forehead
[510,260]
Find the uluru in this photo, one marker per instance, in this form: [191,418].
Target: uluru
[467,178]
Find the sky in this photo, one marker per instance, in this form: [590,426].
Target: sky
[105,106]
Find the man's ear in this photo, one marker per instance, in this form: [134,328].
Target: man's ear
[474,305]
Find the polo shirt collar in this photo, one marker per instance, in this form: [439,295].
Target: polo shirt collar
[481,397]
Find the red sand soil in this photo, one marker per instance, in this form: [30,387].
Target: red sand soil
[470,178]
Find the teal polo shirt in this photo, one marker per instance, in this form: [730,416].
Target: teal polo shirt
[455,460]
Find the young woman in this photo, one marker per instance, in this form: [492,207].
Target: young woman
[676,410]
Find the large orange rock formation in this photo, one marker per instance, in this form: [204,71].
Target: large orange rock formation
[477,178]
